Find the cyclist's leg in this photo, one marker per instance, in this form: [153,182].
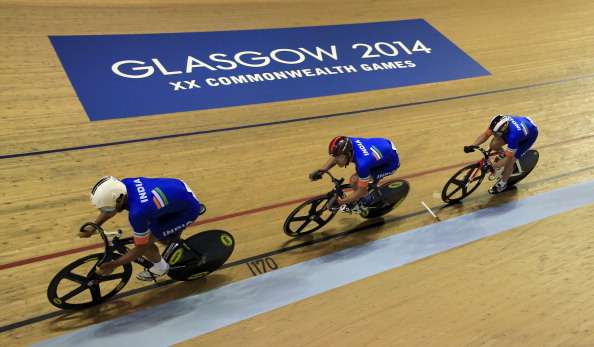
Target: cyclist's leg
[526,144]
[152,251]
[152,254]
[171,226]
[353,181]
[388,170]
[380,175]
[167,229]
[497,143]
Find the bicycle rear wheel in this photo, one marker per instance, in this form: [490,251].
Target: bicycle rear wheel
[462,183]
[528,162]
[215,245]
[393,194]
[77,286]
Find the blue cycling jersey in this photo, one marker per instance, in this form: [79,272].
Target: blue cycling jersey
[374,158]
[521,130]
[520,136]
[160,206]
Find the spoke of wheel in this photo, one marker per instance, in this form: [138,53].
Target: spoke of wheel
[458,182]
[302,226]
[297,219]
[314,204]
[96,292]
[477,178]
[73,293]
[319,220]
[470,172]
[76,278]
[455,191]
[112,277]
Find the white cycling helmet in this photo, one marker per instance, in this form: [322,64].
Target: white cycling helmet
[499,124]
[105,193]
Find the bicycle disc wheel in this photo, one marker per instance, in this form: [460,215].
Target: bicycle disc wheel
[216,245]
[308,217]
[393,194]
[462,183]
[528,162]
[77,286]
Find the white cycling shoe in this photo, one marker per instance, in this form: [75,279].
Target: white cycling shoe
[498,188]
[151,274]
[350,209]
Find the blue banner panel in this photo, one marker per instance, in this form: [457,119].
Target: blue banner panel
[118,76]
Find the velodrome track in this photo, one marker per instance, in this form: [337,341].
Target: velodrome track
[525,286]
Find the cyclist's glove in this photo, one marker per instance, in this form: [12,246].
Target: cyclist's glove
[468,149]
[316,175]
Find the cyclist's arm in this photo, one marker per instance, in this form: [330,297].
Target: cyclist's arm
[364,178]
[509,152]
[506,161]
[101,218]
[513,145]
[104,217]
[133,253]
[482,137]
[357,194]
[329,164]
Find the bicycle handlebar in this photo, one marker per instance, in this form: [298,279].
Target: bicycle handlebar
[484,152]
[106,236]
[337,182]
[97,229]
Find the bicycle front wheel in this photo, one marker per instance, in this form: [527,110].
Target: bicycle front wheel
[462,183]
[77,286]
[308,217]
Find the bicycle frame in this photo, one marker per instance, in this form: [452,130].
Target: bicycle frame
[113,243]
[340,191]
[485,162]
[337,191]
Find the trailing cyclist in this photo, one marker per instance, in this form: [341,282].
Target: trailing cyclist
[159,209]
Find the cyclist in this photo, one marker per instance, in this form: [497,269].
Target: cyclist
[519,133]
[159,209]
[374,158]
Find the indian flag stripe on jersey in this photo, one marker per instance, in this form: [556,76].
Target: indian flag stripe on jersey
[376,153]
[159,198]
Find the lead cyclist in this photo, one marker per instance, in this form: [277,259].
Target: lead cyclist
[519,133]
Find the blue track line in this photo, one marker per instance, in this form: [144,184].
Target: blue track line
[287,121]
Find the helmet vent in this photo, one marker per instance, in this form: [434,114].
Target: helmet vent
[101,181]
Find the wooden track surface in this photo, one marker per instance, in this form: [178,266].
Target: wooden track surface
[529,286]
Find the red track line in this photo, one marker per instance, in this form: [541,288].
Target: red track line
[100,245]
[48,256]
[252,211]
